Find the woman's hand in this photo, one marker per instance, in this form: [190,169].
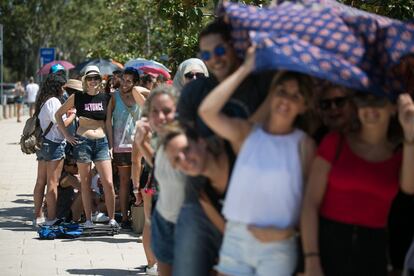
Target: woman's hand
[313,267]
[143,130]
[249,61]
[71,139]
[406,116]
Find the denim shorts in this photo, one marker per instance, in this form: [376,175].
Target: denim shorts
[51,151]
[162,238]
[91,150]
[242,254]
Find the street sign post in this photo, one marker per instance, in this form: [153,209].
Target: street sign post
[46,55]
[1,65]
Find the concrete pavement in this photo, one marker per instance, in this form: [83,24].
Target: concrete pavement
[21,253]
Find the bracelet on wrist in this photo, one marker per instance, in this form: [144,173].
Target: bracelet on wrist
[135,190]
[311,254]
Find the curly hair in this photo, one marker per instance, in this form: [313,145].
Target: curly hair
[51,87]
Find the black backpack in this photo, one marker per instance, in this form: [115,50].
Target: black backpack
[31,139]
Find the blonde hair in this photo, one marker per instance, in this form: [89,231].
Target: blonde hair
[159,90]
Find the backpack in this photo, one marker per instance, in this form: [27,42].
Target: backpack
[31,139]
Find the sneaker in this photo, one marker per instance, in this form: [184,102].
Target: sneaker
[50,222]
[126,225]
[37,222]
[153,270]
[100,217]
[88,224]
[114,224]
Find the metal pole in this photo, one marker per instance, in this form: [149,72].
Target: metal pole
[1,63]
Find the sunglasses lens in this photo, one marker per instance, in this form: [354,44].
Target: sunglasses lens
[339,102]
[189,75]
[200,75]
[205,55]
[219,51]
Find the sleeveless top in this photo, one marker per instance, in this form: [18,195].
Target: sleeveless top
[266,186]
[171,185]
[123,124]
[92,107]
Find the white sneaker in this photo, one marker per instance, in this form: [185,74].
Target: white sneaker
[50,222]
[100,217]
[114,224]
[37,222]
[88,224]
[153,270]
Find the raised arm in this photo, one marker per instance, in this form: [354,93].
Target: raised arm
[70,103]
[314,194]
[233,129]
[406,117]
[142,138]
[140,94]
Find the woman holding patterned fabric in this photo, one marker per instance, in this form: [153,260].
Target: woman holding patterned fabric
[90,142]
[353,180]
[122,114]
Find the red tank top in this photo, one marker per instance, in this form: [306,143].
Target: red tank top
[358,191]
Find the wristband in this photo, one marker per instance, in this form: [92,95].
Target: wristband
[311,254]
[135,190]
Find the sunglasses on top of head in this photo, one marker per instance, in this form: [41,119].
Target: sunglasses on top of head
[368,100]
[191,75]
[338,102]
[218,51]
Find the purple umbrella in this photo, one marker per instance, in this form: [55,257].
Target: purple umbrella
[325,39]
[45,69]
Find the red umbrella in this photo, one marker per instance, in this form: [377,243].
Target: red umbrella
[45,69]
[154,70]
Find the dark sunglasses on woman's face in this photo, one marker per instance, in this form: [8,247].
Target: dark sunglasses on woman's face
[96,78]
[366,100]
[191,75]
[219,51]
[338,102]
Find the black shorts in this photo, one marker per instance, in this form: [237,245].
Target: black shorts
[145,172]
[122,159]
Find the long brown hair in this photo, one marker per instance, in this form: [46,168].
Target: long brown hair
[51,87]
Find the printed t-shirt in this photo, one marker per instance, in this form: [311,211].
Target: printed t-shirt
[92,107]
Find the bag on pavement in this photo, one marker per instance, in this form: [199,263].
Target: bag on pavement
[31,138]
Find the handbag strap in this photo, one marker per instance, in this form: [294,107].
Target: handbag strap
[49,127]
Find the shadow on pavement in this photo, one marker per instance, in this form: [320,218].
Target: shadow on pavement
[23,201]
[103,271]
[15,218]
[28,195]
[102,239]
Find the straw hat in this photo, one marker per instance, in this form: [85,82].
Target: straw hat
[74,84]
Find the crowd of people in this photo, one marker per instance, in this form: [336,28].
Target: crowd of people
[239,173]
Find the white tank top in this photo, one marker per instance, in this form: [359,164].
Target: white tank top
[172,186]
[266,185]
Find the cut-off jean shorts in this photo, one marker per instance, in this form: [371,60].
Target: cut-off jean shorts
[91,150]
[242,254]
[51,151]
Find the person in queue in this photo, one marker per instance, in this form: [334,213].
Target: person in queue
[50,156]
[275,155]
[160,109]
[352,183]
[90,142]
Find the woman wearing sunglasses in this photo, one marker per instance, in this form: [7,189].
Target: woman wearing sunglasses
[189,70]
[353,180]
[91,143]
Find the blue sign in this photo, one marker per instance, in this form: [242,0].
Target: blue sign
[46,55]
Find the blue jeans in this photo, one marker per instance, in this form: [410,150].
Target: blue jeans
[162,238]
[197,242]
[51,151]
[242,254]
[88,150]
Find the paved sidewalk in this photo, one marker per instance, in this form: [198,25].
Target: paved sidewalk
[21,253]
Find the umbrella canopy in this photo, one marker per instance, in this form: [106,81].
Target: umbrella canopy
[105,66]
[325,39]
[155,70]
[46,68]
[141,62]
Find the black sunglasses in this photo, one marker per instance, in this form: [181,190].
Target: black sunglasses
[219,51]
[191,75]
[93,78]
[338,102]
[368,100]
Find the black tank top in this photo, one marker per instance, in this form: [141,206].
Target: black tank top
[92,107]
